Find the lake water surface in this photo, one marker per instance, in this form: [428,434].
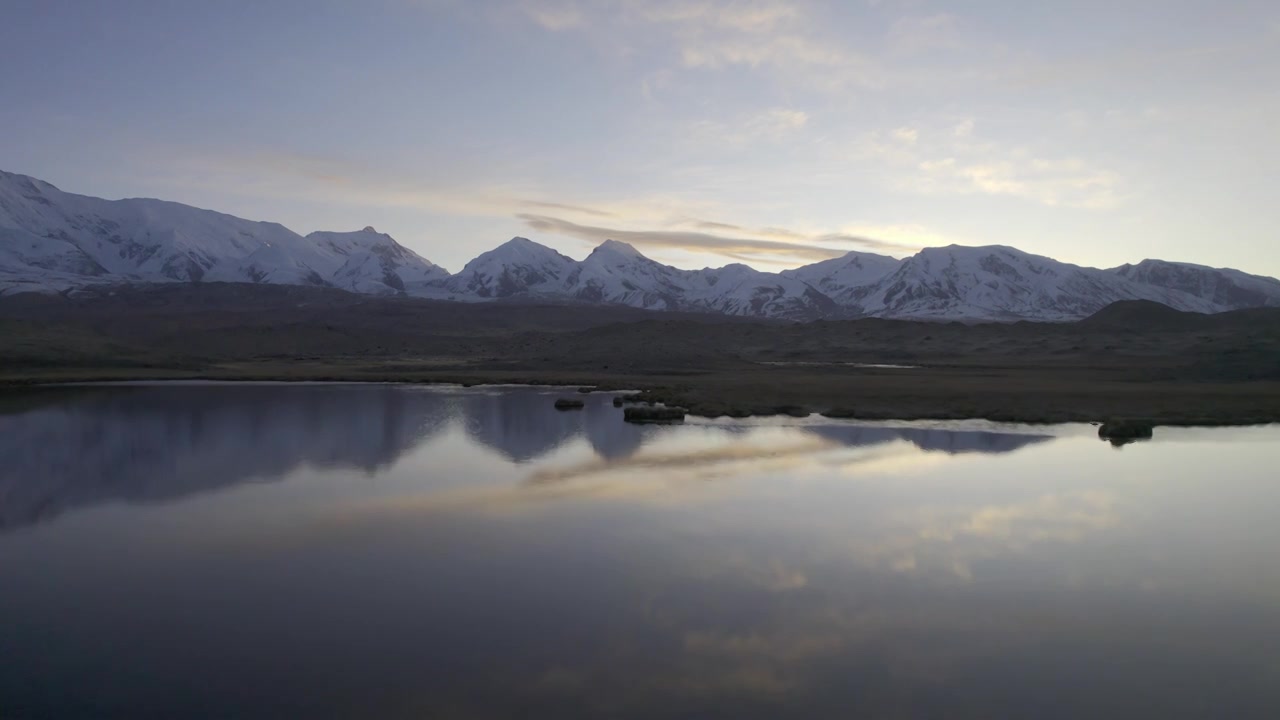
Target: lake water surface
[375,551]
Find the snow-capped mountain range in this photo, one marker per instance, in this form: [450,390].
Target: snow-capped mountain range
[55,240]
[52,241]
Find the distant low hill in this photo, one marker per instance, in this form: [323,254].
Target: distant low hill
[1143,315]
[53,241]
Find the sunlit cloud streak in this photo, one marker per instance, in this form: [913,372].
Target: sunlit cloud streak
[816,248]
[571,208]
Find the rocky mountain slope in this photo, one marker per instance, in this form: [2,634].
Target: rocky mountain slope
[52,241]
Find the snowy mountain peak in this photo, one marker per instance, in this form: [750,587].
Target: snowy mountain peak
[369,229]
[517,267]
[614,247]
[27,183]
[521,242]
[374,262]
[845,278]
[519,250]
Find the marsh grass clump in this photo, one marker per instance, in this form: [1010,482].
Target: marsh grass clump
[1122,431]
[715,410]
[653,414]
[569,404]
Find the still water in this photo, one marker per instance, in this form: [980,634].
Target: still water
[331,551]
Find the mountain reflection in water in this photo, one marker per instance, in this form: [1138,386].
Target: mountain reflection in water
[79,447]
[330,551]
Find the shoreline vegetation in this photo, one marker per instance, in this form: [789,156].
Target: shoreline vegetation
[1132,360]
[941,397]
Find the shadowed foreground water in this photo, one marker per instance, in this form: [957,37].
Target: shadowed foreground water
[251,551]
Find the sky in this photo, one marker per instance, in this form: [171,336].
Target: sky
[771,132]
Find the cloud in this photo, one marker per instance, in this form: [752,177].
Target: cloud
[780,120]
[1066,183]
[683,240]
[713,225]
[895,239]
[814,247]
[749,16]
[769,125]
[781,233]
[570,208]
[340,182]
[686,16]
[300,176]
[554,16]
[784,50]
[754,33]
[950,159]
[906,236]
[714,35]
[882,238]
[915,34]
[800,59]
[868,243]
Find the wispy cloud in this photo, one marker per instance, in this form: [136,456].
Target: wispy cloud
[752,16]
[745,16]
[713,225]
[951,159]
[673,223]
[896,242]
[769,125]
[780,35]
[1067,183]
[571,208]
[552,15]
[812,247]
[917,34]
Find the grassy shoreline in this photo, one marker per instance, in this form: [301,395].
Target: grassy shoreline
[1015,395]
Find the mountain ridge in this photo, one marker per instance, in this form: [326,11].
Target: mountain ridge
[53,241]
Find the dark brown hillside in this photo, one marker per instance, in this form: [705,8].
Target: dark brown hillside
[1131,359]
[1143,316]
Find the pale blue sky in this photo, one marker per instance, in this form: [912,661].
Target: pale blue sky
[769,131]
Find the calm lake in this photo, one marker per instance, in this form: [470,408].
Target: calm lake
[376,551]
